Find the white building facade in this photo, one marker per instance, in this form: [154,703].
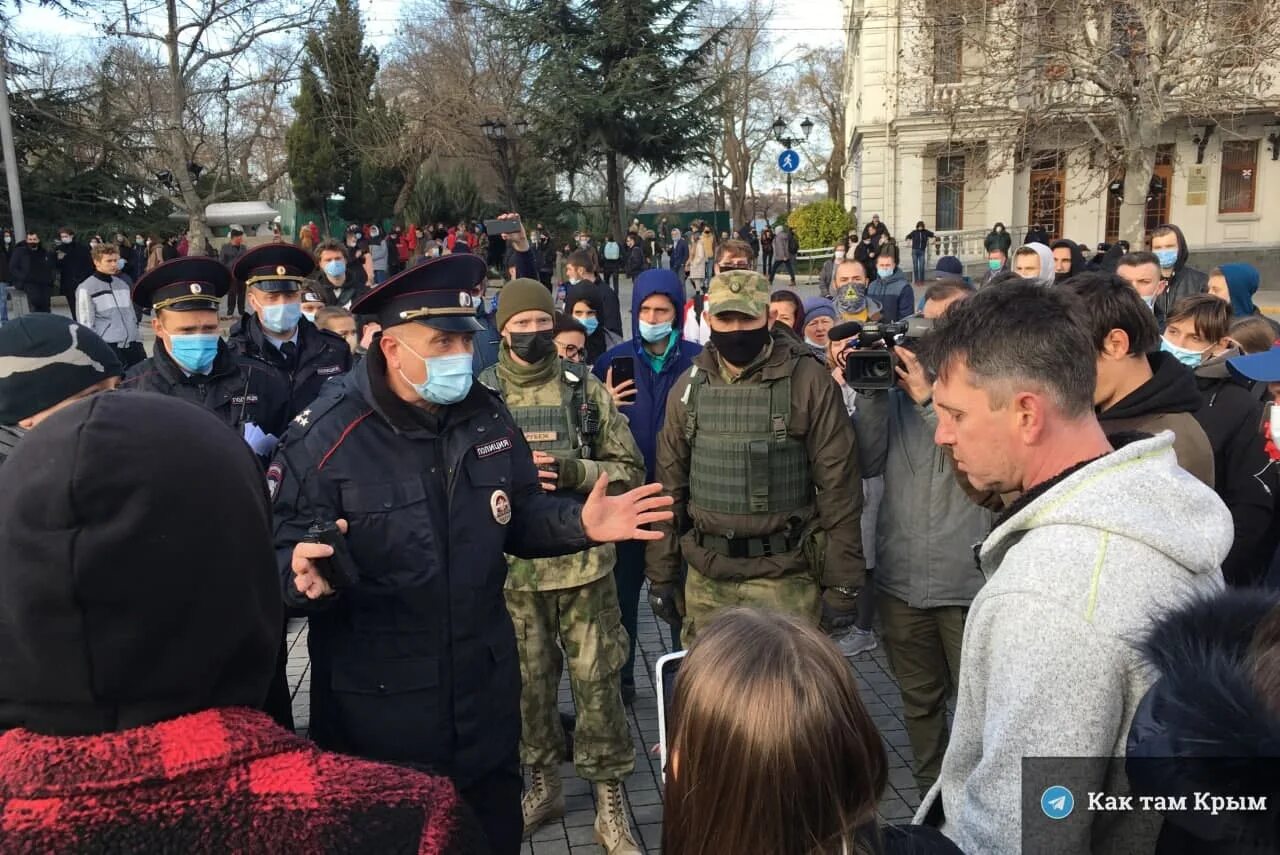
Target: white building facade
[913,156]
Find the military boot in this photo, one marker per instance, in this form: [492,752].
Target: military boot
[613,826]
[544,800]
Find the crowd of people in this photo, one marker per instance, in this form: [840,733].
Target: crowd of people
[1048,491]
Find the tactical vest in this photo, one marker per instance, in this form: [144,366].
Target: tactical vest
[555,430]
[742,460]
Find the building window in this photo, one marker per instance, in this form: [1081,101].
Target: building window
[948,51]
[950,194]
[1239,177]
[1047,197]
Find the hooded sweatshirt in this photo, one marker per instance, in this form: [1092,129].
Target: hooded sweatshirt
[648,409]
[593,294]
[1168,401]
[135,640]
[1045,276]
[1205,727]
[1076,570]
[1185,281]
[1242,284]
[1078,263]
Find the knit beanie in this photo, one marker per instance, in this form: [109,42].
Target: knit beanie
[45,359]
[819,307]
[523,295]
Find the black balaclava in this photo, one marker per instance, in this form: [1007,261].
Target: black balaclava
[125,602]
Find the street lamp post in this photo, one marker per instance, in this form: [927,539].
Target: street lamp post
[782,135]
[502,136]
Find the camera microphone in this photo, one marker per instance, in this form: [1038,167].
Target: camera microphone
[848,329]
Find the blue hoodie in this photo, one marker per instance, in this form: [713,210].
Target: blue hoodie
[1242,284]
[648,409]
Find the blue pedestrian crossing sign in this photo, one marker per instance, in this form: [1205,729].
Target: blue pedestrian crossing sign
[789,160]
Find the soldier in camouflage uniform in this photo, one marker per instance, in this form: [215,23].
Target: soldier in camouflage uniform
[576,434]
[760,456]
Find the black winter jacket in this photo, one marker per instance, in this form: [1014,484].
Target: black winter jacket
[1243,475]
[1204,727]
[416,663]
[238,390]
[321,356]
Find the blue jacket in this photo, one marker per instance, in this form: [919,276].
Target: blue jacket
[649,408]
[895,295]
[679,255]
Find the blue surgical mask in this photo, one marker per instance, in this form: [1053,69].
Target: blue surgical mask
[1167,258]
[196,352]
[590,324]
[311,316]
[1189,358]
[120,264]
[448,377]
[654,332]
[282,317]
[335,267]
[884,272]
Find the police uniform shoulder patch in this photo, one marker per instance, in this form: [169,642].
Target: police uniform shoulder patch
[305,420]
[494,446]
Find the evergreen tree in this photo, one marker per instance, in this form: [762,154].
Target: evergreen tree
[313,165]
[623,81]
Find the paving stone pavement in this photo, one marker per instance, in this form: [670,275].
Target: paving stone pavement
[574,834]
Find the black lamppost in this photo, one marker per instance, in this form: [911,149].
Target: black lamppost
[781,134]
[502,136]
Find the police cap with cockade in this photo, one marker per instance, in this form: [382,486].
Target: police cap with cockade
[274,267]
[187,284]
[437,293]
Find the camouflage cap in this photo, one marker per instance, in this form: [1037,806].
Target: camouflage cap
[744,291]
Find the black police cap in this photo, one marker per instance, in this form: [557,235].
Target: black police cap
[274,267]
[187,284]
[437,293]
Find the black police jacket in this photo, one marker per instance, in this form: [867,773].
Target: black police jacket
[321,355]
[416,663]
[237,390]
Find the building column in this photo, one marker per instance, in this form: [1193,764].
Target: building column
[909,204]
[1000,185]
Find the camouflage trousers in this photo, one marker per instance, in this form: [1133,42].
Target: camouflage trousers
[797,595]
[588,622]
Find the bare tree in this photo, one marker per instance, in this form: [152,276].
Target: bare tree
[208,79]
[820,91]
[743,108]
[1103,75]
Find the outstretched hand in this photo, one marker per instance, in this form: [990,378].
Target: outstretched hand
[610,519]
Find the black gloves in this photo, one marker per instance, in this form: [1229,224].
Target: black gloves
[667,602]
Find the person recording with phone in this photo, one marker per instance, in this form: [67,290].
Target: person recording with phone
[656,356]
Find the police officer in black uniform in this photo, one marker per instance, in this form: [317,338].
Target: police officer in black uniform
[413,655]
[274,331]
[191,361]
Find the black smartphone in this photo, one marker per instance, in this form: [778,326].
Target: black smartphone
[623,368]
[501,227]
[339,570]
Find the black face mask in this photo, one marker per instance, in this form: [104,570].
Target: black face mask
[741,347]
[533,347]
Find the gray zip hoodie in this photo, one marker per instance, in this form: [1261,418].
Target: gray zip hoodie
[1049,667]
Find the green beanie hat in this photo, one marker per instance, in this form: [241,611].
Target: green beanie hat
[523,295]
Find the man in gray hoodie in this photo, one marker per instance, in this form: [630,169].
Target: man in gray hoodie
[1101,542]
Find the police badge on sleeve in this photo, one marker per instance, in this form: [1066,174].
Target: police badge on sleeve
[500,507]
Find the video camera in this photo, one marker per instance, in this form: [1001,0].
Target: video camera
[872,364]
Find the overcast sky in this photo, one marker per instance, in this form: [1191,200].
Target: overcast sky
[795,23]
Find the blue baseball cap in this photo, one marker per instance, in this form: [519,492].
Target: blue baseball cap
[1259,367]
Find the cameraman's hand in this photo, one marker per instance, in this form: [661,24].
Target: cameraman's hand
[839,611]
[667,602]
[912,378]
